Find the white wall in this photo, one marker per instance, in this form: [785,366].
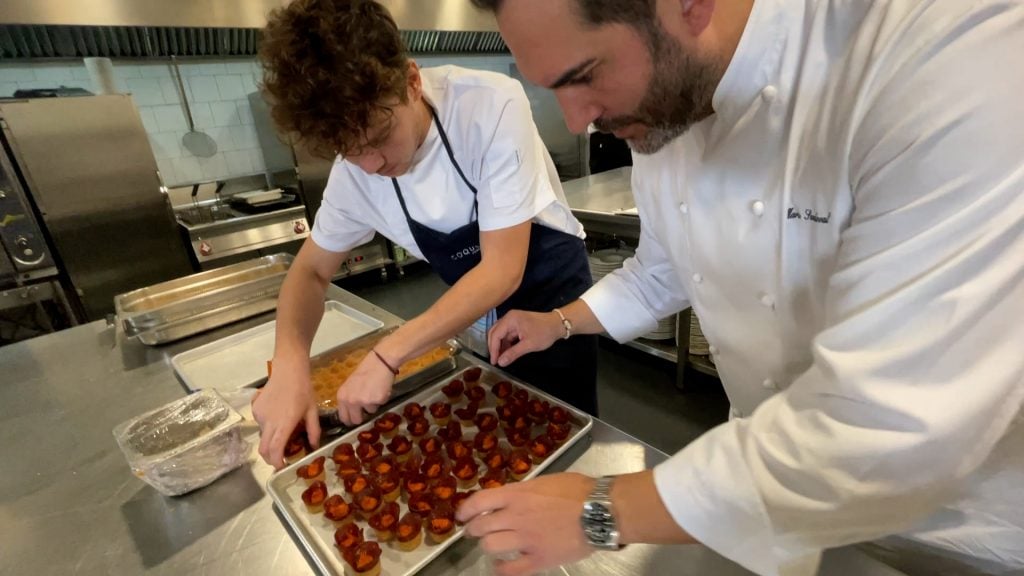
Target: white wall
[218,94]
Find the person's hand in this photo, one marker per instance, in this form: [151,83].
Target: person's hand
[366,389]
[519,333]
[286,400]
[539,520]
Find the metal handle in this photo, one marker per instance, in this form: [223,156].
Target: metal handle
[184,97]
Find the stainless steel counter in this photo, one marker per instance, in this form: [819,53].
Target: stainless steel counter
[604,202]
[69,503]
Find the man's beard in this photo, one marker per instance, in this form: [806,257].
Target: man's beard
[678,96]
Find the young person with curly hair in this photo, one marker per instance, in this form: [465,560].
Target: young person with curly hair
[445,162]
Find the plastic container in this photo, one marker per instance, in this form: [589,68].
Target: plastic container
[184,445]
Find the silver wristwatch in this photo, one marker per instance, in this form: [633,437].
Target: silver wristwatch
[598,520]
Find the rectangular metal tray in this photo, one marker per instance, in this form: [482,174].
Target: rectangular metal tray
[185,306]
[240,360]
[329,420]
[316,534]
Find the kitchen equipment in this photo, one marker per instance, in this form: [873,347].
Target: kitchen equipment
[184,445]
[198,143]
[241,359]
[84,166]
[257,197]
[316,534]
[193,304]
[219,234]
[25,254]
[28,273]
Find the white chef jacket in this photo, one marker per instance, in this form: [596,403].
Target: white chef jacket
[490,127]
[849,227]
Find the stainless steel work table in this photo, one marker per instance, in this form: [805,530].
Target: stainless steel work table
[70,505]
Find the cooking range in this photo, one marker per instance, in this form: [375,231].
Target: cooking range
[221,232]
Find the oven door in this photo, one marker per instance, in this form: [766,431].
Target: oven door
[24,251]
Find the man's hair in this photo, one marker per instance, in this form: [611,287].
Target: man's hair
[331,70]
[640,14]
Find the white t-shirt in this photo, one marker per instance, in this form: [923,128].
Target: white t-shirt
[849,227]
[487,118]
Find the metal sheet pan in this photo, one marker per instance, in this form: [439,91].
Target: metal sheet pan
[240,360]
[198,302]
[316,534]
[402,387]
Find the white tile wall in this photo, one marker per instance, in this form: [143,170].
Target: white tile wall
[225,113]
[204,88]
[170,117]
[218,95]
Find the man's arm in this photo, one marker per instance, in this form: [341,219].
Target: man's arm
[287,398]
[626,303]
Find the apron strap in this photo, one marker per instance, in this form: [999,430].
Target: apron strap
[455,163]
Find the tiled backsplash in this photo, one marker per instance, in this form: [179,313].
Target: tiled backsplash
[218,95]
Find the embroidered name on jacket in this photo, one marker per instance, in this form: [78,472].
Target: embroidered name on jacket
[808,214]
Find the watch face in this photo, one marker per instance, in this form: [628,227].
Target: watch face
[598,524]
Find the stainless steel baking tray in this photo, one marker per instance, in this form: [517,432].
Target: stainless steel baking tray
[186,306]
[241,359]
[316,534]
[403,386]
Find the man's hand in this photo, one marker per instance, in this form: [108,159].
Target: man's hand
[539,520]
[366,389]
[286,400]
[519,333]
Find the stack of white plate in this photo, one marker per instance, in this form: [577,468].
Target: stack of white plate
[604,262]
[698,343]
[666,330]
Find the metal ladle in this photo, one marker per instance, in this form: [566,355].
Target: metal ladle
[198,143]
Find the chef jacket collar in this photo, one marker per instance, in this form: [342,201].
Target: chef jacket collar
[757,60]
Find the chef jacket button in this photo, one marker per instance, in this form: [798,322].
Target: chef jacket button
[684,208]
[697,278]
[769,384]
[713,350]
[757,207]
[768,93]
[767,300]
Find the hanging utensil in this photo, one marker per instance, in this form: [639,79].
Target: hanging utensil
[198,143]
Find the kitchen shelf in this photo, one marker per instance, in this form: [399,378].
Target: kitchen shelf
[666,350]
[365,266]
[702,364]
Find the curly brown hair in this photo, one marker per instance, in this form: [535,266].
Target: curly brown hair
[331,71]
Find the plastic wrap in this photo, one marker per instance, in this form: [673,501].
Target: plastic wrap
[184,445]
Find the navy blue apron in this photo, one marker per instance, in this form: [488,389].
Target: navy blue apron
[557,273]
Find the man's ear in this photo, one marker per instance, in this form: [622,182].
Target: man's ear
[415,83]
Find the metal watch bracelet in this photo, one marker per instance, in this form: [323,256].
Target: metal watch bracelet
[598,519]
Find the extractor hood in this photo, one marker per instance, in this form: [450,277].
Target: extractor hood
[160,28]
